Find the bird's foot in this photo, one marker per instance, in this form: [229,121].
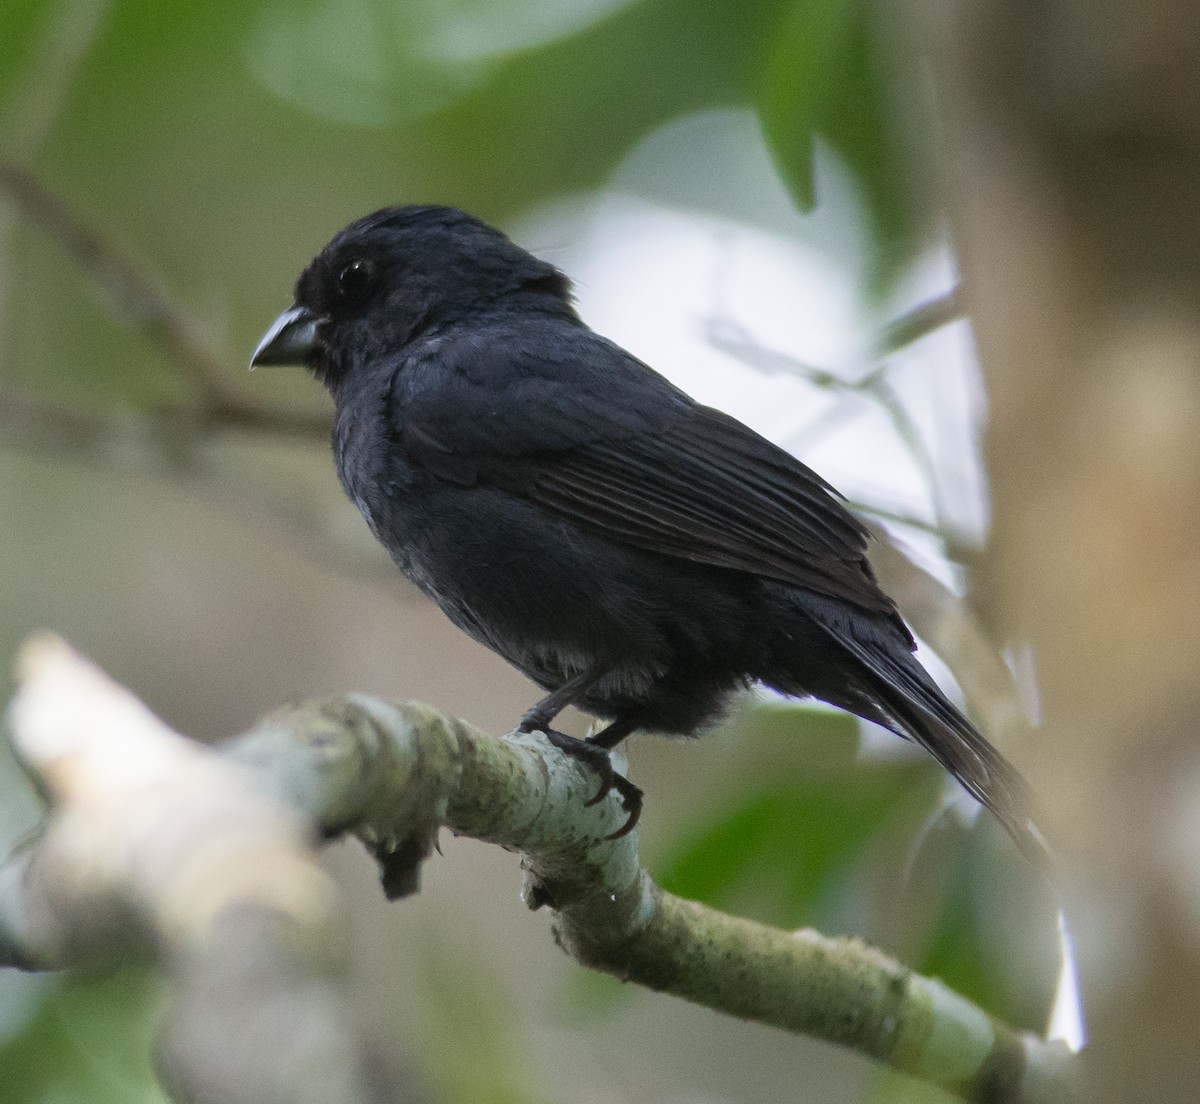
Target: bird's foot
[598,759]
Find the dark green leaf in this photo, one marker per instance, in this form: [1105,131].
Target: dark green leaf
[802,75]
[824,77]
[787,849]
[862,127]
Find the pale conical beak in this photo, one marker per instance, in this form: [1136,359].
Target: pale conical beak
[290,340]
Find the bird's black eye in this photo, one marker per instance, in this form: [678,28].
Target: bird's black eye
[354,281]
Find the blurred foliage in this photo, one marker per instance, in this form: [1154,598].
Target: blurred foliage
[203,137]
[85,1041]
[867,848]
[473,1048]
[789,850]
[823,77]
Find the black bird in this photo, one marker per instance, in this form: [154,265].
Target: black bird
[636,554]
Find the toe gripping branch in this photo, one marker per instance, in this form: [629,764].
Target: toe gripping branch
[598,759]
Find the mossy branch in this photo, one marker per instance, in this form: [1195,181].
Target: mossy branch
[245,820]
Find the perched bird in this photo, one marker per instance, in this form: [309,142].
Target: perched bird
[636,554]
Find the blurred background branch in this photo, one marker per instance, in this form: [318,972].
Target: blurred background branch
[137,299]
[155,846]
[171,439]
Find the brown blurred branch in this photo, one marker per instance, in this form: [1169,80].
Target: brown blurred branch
[1070,134]
[172,443]
[154,841]
[136,298]
[132,294]
[171,439]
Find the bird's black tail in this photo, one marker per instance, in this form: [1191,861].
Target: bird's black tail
[908,701]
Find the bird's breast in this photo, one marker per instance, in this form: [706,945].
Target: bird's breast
[369,468]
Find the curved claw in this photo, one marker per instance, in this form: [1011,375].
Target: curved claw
[598,759]
[608,780]
[631,802]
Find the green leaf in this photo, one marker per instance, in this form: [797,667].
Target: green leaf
[89,1040]
[801,77]
[788,851]
[862,127]
[823,77]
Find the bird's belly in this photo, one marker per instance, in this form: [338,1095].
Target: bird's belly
[525,586]
[556,600]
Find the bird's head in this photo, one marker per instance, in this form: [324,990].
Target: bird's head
[394,275]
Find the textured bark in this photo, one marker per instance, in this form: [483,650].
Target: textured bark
[204,858]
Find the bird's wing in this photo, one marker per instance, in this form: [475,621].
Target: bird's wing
[710,490]
[624,453]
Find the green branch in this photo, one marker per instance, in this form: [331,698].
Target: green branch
[522,794]
[393,774]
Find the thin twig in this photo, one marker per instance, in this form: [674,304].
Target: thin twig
[909,521]
[300,425]
[134,295]
[875,385]
[53,429]
[921,321]
[145,304]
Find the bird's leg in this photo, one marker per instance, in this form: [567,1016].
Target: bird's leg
[594,752]
[631,797]
[541,716]
[611,735]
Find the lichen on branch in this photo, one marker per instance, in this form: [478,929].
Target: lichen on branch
[155,843]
